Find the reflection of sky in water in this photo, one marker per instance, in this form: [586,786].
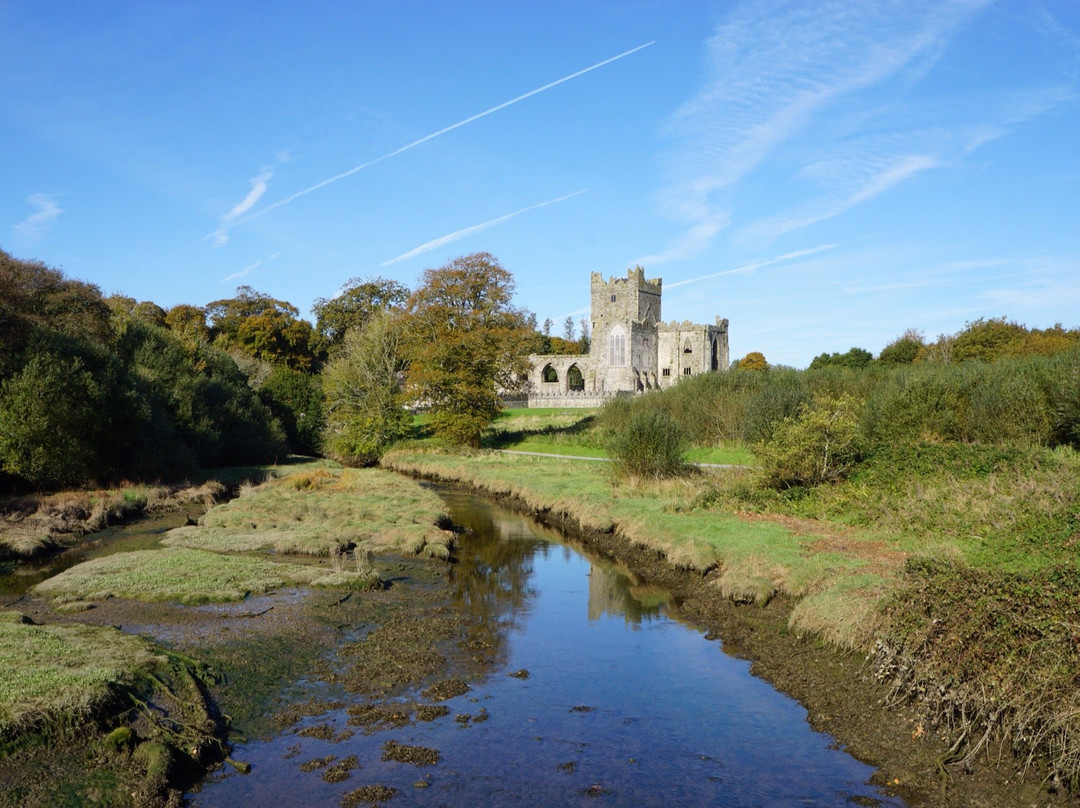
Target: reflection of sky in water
[665,718]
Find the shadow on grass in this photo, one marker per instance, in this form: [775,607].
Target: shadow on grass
[505,439]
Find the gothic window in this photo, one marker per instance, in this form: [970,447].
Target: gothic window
[574,379]
[714,363]
[618,348]
[686,348]
[549,374]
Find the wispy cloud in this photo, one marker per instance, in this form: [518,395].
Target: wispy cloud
[900,169]
[756,265]
[34,226]
[446,129]
[248,269]
[773,68]
[259,183]
[434,244]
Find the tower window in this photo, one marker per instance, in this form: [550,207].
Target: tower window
[613,298]
[665,372]
[686,371]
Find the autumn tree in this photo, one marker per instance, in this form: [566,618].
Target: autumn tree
[467,343]
[755,360]
[358,300]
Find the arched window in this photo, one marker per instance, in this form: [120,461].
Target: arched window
[714,362]
[686,347]
[617,355]
[574,379]
[549,374]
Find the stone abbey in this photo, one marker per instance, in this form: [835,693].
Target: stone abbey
[632,349]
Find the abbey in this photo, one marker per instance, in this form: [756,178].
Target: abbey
[632,349]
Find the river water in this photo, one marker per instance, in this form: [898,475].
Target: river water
[622,705]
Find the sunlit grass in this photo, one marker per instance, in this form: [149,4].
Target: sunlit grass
[318,511]
[174,574]
[62,671]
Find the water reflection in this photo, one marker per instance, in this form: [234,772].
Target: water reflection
[621,704]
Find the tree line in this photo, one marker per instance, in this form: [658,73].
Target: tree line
[96,389]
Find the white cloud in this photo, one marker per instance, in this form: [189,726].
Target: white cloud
[248,269]
[446,129]
[34,226]
[773,68]
[259,183]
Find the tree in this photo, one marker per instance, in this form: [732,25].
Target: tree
[568,329]
[466,344]
[986,340]
[365,407]
[263,327]
[755,360]
[820,444]
[903,349]
[854,358]
[358,300]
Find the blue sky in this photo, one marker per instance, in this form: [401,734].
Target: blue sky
[822,174]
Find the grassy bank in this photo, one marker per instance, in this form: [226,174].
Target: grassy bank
[950,565]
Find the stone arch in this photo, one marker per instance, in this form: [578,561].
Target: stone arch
[549,374]
[686,346]
[714,360]
[574,378]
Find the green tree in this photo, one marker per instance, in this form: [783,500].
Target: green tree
[358,300]
[986,340]
[296,399]
[819,445]
[365,407]
[904,349]
[466,344]
[650,445]
[263,327]
[50,422]
[854,358]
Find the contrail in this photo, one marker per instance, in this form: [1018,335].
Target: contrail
[476,228]
[434,135]
[756,265]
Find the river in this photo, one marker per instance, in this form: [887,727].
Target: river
[613,702]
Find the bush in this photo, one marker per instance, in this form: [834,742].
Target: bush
[649,444]
[819,445]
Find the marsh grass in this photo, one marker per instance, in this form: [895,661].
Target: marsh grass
[61,674]
[321,512]
[174,574]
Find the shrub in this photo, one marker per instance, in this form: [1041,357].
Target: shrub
[648,445]
[820,444]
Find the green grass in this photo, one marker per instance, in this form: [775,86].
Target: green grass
[62,671]
[317,510]
[174,574]
[758,558]
[573,432]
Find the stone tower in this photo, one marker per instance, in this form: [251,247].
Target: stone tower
[625,312]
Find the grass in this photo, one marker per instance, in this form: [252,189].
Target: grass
[573,432]
[319,510]
[174,574]
[316,509]
[62,672]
